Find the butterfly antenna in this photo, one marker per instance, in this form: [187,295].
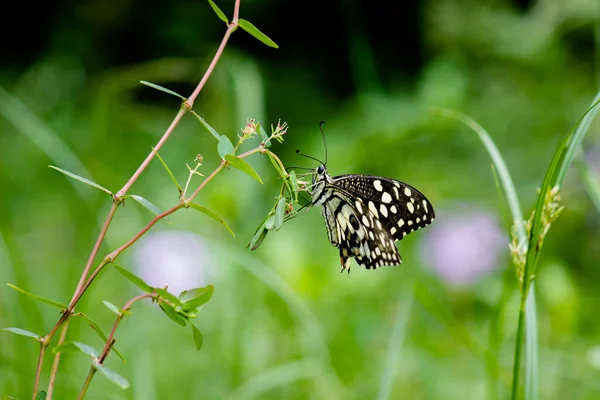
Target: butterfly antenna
[323,136]
[307,156]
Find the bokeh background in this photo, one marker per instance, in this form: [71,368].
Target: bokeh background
[283,322]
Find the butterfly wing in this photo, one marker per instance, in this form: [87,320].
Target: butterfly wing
[357,231]
[401,208]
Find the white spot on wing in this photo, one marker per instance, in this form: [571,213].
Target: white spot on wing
[377,185]
[383,210]
[359,206]
[373,209]
[365,221]
[396,192]
[393,230]
[407,192]
[410,222]
[425,206]
[401,223]
[393,209]
[410,207]
[386,198]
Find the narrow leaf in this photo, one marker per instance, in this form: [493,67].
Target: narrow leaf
[194,298]
[263,135]
[81,179]
[225,146]
[212,215]
[111,375]
[294,185]
[279,213]
[197,336]
[172,314]
[163,89]
[70,347]
[243,166]
[280,171]
[39,298]
[251,29]
[164,164]
[170,297]
[22,332]
[258,237]
[40,396]
[100,333]
[112,307]
[136,280]
[218,11]
[149,206]
[207,126]
[270,222]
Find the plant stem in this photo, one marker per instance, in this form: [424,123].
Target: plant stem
[38,370]
[54,370]
[110,341]
[87,382]
[518,349]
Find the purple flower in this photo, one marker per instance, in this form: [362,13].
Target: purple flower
[182,260]
[464,245]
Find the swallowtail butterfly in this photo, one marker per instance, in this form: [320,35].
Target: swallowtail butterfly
[365,215]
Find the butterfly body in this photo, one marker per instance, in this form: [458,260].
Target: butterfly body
[365,215]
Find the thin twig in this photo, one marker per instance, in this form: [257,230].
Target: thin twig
[36,385]
[54,370]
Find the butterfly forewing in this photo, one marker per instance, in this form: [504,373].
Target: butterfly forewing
[401,208]
[365,215]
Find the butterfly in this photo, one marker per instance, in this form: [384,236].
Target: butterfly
[365,215]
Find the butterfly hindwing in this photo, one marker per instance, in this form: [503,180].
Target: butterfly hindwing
[358,232]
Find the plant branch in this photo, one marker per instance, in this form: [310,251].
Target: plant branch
[54,370]
[110,341]
[84,281]
[38,372]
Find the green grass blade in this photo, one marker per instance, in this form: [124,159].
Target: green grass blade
[81,179]
[148,205]
[395,343]
[136,280]
[591,183]
[40,134]
[531,348]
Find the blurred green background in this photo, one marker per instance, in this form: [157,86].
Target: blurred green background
[283,322]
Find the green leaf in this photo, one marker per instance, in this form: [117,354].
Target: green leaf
[243,166]
[111,375]
[258,237]
[207,126]
[81,179]
[39,298]
[168,170]
[280,171]
[136,280]
[279,213]
[41,395]
[218,11]
[263,135]
[22,332]
[270,222]
[197,336]
[98,330]
[212,215]
[172,314]
[112,307]
[163,89]
[70,347]
[168,296]
[251,29]
[148,205]
[194,298]
[225,146]
[294,184]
